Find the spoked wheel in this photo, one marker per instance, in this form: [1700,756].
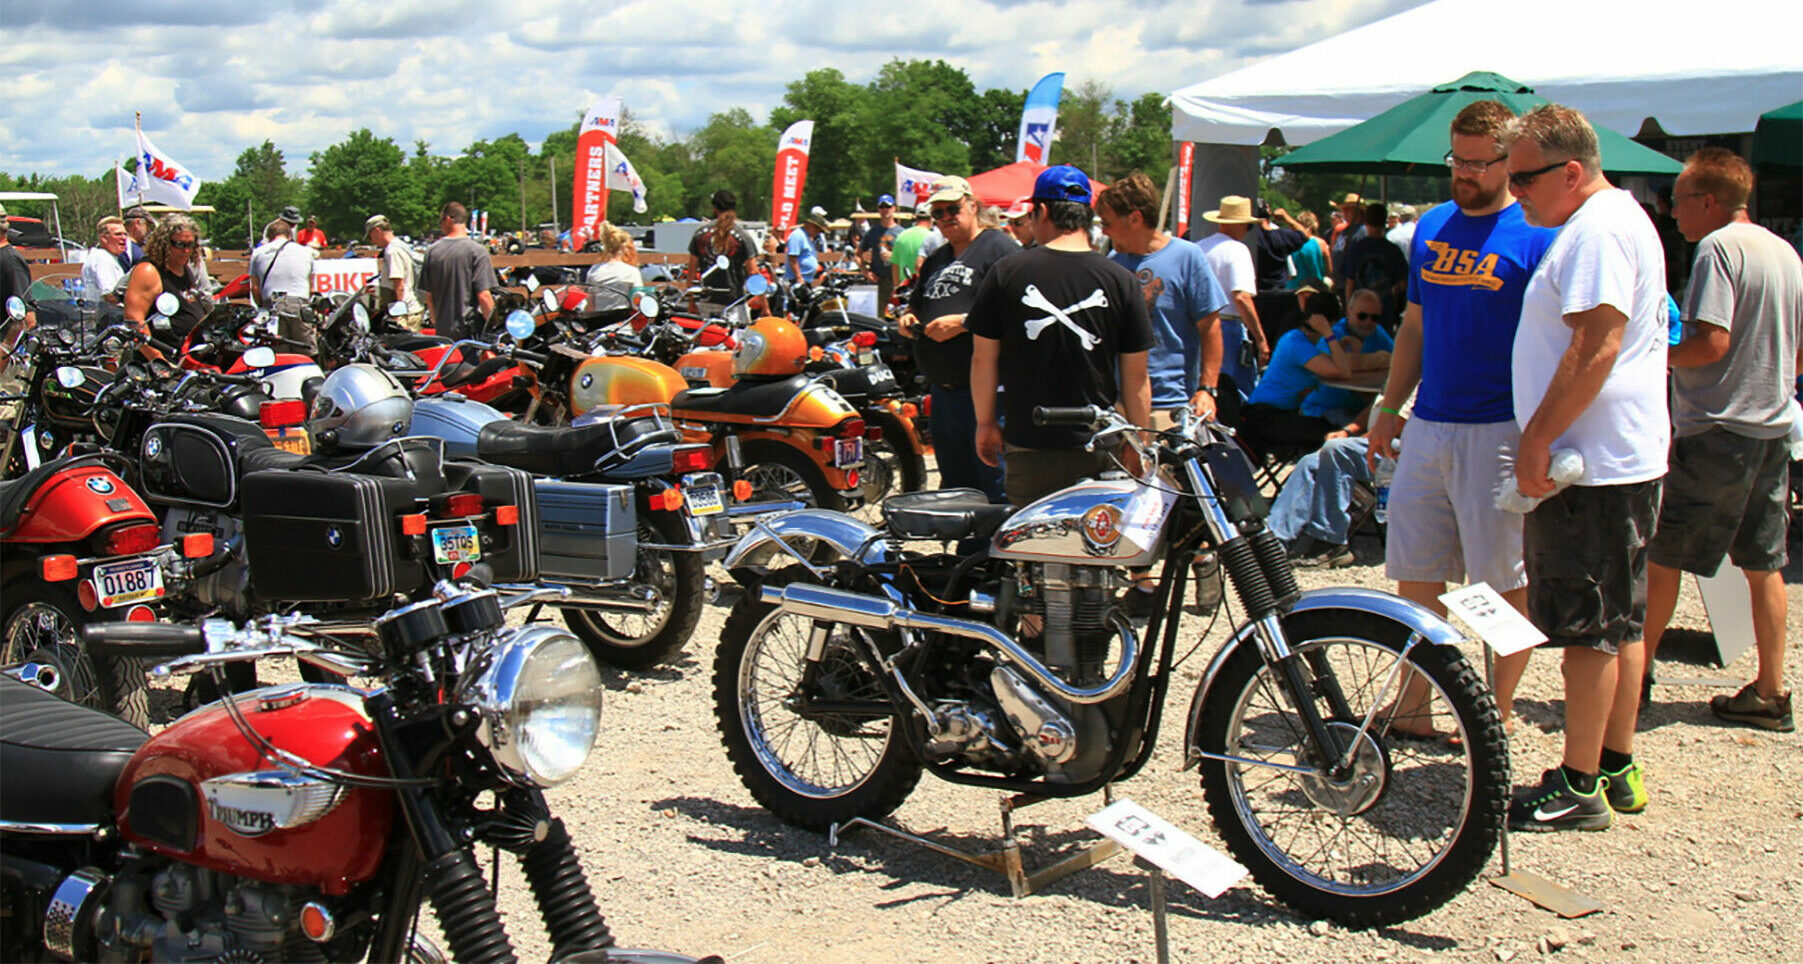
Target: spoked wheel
[816,744]
[891,464]
[43,625]
[779,472]
[1407,824]
[635,640]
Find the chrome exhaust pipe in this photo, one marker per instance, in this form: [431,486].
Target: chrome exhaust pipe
[873,612]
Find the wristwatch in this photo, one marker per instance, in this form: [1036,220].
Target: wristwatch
[1213,391]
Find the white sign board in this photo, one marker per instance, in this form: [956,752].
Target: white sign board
[342,274]
[1171,849]
[1730,610]
[1491,617]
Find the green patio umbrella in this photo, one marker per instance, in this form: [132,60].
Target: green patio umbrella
[1778,140]
[1411,137]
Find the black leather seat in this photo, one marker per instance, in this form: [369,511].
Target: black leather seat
[567,450]
[946,515]
[59,760]
[758,399]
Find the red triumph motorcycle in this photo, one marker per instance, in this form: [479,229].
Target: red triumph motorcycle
[80,548]
[309,821]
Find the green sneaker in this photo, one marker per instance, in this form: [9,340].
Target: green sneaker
[1625,788]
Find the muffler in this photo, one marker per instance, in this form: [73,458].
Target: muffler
[873,612]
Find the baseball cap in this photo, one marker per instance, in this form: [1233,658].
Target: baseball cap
[923,210]
[885,200]
[951,189]
[376,221]
[1018,209]
[1061,183]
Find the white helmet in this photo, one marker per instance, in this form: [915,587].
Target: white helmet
[360,407]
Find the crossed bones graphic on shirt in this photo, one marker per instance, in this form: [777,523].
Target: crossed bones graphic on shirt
[1033,298]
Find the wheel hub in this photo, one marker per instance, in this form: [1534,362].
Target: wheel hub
[1363,781]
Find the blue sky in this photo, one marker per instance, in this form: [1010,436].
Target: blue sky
[213,78]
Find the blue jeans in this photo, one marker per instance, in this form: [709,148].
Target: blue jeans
[954,424]
[1315,497]
[1233,335]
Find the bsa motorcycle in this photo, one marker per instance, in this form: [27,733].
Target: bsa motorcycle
[842,677]
[310,821]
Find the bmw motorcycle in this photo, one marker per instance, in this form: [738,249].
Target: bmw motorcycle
[865,661]
[310,821]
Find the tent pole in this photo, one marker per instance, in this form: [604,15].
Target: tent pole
[62,243]
[1170,188]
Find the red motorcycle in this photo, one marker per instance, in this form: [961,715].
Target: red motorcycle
[80,548]
[310,821]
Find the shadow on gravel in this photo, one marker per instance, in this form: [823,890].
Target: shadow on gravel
[616,679]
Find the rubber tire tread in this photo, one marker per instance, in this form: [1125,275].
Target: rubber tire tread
[758,451]
[893,778]
[687,601]
[123,691]
[1488,807]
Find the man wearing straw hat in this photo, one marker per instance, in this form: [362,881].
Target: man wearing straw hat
[1231,262]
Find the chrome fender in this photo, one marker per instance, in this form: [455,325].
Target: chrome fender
[1410,616]
[851,538]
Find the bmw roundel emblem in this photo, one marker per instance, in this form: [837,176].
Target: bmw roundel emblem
[588,381]
[153,446]
[334,537]
[100,484]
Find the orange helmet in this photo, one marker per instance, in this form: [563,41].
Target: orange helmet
[770,347]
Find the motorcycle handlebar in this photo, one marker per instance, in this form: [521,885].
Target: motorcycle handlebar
[143,640]
[1087,416]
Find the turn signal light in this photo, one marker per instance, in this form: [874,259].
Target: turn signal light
[197,545]
[507,515]
[741,490]
[926,405]
[413,525]
[691,458]
[864,339]
[282,413]
[131,539]
[669,500]
[462,504]
[910,409]
[58,568]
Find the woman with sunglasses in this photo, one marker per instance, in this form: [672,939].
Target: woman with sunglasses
[172,264]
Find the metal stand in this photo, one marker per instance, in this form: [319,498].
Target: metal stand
[1161,922]
[1533,888]
[1006,859]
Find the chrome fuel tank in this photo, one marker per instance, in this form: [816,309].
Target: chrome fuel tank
[1108,521]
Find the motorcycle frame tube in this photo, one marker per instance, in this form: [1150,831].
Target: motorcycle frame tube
[851,538]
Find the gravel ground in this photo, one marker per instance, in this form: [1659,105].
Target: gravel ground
[683,859]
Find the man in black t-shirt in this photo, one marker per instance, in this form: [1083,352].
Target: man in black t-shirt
[1056,325]
[1372,262]
[873,250]
[15,279]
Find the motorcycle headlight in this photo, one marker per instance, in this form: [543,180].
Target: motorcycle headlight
[539,693]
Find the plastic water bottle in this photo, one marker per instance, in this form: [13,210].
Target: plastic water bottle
[1386,470]
[1567,467]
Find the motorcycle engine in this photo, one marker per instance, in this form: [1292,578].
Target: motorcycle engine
[183,913]
[226,587]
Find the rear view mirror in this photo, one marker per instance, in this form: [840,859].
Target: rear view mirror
[261,356]
[531,283]
[721,264]
[646,304]
[360,317]
[15,307]
[167,304]
[397,309]
[757,284]
[520,324]
[548,298]
[67,376]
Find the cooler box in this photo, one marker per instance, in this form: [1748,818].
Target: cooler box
[588,531]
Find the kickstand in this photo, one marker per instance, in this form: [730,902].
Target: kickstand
[1533,888]
[1006,859]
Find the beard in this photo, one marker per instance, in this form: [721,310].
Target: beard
[1472,195]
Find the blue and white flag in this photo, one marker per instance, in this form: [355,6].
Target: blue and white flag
[621,175]
[1039,120]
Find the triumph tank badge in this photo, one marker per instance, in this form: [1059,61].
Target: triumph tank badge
[1101,528]
[334,537]
[99,484]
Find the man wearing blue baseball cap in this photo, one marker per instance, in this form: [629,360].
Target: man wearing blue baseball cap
[1076,332]
[873,250]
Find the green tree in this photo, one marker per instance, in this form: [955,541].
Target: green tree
[995,140]
[354,178]
[925,113]
[837,177]
[258,188]
[733,151]
[1082,128]
[1139,139]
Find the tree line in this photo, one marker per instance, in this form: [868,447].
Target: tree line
[926,113]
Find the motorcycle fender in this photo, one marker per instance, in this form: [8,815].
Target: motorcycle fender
[894,408]
[76,502]
[818,407]
[850,537]
[1409,615]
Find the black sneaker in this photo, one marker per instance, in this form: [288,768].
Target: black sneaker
[1554,805]
[1327,556]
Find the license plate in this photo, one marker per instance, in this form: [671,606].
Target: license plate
[123,583]
[293,438]
[848,451]
[866,358]
[703,499]
[456,544]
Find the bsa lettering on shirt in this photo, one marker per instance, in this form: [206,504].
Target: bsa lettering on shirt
[1459,267]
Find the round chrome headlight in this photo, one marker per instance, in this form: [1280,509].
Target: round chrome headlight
[539,693]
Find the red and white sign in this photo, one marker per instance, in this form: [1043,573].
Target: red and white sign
[791,176]
[348,275]
[600,128]
[913,187]
[1186,169]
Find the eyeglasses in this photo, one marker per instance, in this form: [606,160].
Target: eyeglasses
[1524,178]
[1366,316]
[184,245]
[1475,167]
[947,211]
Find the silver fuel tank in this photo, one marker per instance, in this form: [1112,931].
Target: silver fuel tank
[1104,521]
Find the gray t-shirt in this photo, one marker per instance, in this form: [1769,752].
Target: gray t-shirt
[1750,281]
[456,269]
[282,268]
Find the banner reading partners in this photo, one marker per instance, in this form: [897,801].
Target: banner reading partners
[589,199]
[791,176]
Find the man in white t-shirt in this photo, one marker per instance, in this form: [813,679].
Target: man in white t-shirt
[1588,372]
[1231,260]
[395,277]
[104,267]
[279,266]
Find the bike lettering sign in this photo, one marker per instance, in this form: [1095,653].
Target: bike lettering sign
[348,275]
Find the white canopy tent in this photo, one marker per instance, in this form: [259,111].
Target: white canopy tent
[1694,69]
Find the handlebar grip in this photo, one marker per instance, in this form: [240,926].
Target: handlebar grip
[142,640]
[530,356]
[161,346]
[1084,416]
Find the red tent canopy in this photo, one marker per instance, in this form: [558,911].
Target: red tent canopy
[1006,185]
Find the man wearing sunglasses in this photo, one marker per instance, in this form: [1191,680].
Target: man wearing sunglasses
[1468,267]
[1589,376]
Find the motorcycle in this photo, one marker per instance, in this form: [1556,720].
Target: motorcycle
[308,821]
[895,456]
[842,677]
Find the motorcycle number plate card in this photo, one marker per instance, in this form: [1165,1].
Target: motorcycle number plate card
[456,544]
[1161,842]
[122,583]
[848,451]
[703,499]
[1501,626]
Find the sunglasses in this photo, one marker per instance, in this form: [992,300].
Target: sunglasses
[1366,316]
[947,211]
[184,245]
[1524,178]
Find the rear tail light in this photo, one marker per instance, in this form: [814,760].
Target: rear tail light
[461,505]
[282,413]
[413,525]
[197,545]
[507,515]
[130,540]
[58,568]
[926,405]
[864,339]
[851,479]
[851,428]
[741,490]
[140,614]
[692,458]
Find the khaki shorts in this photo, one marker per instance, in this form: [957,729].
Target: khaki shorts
[1444,525]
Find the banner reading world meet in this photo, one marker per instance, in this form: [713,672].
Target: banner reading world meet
[1039,119]
[791,176]
[600,127]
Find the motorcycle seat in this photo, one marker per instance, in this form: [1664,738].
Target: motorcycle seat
[15,493]
[60,759]
[750,397]
[944,516]
[252,458]
[567,450]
